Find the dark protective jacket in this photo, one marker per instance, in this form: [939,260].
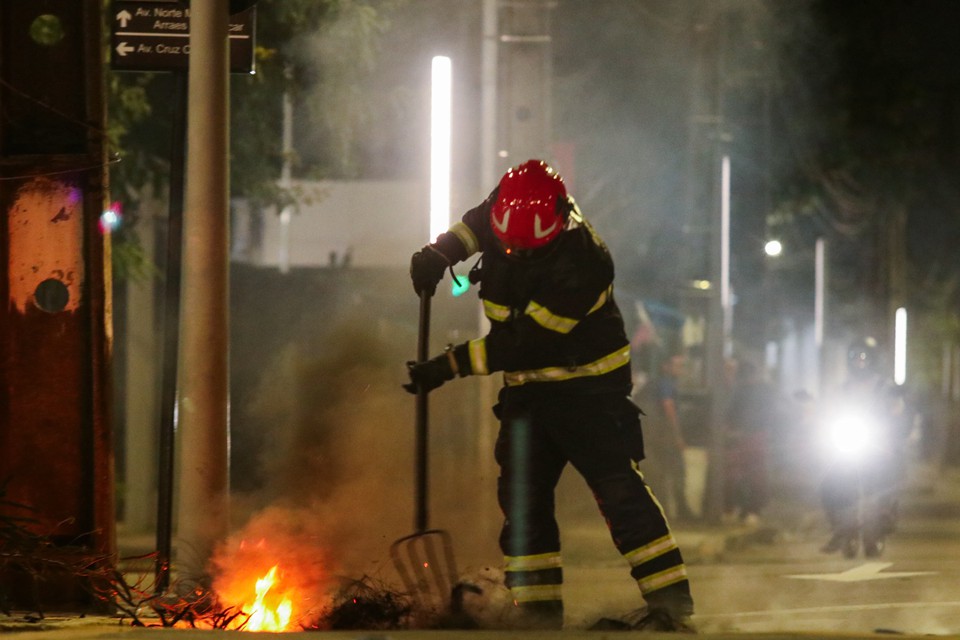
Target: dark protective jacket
[555,326]
[558,337]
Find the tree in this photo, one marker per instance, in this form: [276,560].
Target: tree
[143,106]
[870,111]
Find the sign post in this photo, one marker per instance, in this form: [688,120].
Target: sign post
[155,36]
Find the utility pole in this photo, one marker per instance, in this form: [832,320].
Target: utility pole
[516,77]
[524,71]
[203,405]
[705,271]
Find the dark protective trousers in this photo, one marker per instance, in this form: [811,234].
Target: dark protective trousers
[600,436]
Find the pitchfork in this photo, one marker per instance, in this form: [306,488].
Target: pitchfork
[425,559]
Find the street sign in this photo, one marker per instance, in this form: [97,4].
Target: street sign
[155,36]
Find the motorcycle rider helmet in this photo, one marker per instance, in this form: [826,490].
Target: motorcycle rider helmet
[531,208]
[862,356]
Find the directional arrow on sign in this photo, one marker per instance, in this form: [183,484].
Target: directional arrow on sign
[153,35]
[868,571]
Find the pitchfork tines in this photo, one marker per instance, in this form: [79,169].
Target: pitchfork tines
[426,565]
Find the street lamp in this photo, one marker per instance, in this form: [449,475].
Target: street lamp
[773,248]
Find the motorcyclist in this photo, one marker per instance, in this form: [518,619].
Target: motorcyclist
[546,282]
[859,491]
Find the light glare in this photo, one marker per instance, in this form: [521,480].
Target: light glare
[111,218]
[773,248]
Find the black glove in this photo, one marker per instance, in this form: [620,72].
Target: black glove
[430,374]
[426,269]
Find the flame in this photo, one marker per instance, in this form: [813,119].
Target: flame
[273,576]
[269,611]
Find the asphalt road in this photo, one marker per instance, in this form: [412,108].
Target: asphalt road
[774,579]
[788,585]
[769,579]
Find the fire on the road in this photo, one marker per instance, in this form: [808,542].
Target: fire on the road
[269,599]
[272,607]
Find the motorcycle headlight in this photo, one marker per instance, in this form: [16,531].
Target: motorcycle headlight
[850,433]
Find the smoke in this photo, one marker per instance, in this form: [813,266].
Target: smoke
[335,417]
[328,506]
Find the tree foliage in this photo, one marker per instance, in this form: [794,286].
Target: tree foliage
[870,116]
[316,49]
[868,105]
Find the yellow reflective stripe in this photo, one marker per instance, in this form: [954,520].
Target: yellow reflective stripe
[478,356]
[549,320]
[497,312]
[543,317]
[532,563]
[599,367]
[650,551]
[602,300]
[537,593]
[636,467]
[662,579]
[465,235]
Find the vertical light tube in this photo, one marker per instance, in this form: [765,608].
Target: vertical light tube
[819,307]
[900,346]
[819,296]
[440,124]
[725,255]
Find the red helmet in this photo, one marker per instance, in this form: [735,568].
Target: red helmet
[527,213]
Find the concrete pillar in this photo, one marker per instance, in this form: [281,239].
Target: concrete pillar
[142,386]
[524,87]
[203,406]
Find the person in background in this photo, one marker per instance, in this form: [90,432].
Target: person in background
[666,468]
[753,412]
[557,336]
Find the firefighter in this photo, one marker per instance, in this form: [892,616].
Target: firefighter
[557,336]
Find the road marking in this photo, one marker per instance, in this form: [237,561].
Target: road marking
[868,571]
[840,608]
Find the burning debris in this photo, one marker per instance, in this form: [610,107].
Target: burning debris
[365,604]
[358,604]
[138,602]
[322,512]
[29,558]
[287,582]
[279,569]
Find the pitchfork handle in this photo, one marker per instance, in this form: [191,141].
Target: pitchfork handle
[423,348]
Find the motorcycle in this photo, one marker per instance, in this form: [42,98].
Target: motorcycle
[859,490]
